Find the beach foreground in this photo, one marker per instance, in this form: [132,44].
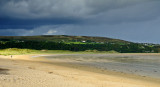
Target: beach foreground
[26,71]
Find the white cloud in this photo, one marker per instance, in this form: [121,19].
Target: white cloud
[50,32]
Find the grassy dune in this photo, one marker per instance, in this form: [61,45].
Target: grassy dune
[16,51]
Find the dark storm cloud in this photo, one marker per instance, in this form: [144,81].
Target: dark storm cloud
[73,9]
[30,13]
[124,19]
[6,23]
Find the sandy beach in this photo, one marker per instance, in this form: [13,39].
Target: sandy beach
[28,71]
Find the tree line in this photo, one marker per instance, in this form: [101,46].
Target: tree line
[40,45]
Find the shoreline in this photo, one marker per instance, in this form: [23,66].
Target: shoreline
[146,65]
[74,73]
[102,71]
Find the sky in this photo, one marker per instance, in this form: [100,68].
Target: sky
[131,20]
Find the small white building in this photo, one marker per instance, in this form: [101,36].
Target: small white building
[83,41]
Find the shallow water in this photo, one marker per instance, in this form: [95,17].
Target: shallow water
[144,65]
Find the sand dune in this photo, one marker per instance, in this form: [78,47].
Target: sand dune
[24,71]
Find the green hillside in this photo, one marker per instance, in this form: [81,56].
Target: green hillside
[76,43]
[62,38]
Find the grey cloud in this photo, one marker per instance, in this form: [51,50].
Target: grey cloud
[79,9]
[133,20]
[43,8]
[135,13]
[99,6]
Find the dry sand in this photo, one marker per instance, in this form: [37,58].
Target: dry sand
[24,71]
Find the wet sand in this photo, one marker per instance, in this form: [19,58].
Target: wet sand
[138,64]
[28,71]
